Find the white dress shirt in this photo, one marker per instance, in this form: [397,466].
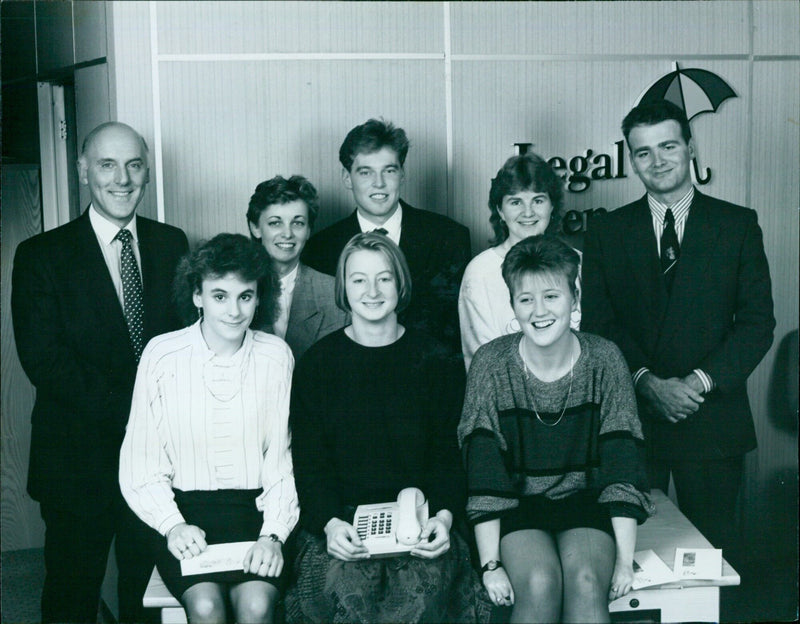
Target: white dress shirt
[105,231]
[281,323]
[393,225]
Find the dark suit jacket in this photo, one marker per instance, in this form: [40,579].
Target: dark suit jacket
[73,344]
[437,250]
[313,313]
[719,317]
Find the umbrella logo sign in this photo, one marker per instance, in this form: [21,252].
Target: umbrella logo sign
[694,90]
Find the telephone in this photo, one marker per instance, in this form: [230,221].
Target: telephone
[388,529]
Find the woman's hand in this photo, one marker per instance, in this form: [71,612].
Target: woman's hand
[499,587]
[264,558]
[344,542]
[621,580]
[434,540]
[185,541]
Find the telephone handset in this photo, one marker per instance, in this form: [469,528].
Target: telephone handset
[394,528]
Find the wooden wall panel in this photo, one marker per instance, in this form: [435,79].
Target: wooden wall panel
[131,79]
[775,27]
[576,28]
[566,108]
[92,108]
[771,483]
[262,27]
[54,45]
[20,523]
[229,125]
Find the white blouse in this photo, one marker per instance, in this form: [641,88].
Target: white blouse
[200,421]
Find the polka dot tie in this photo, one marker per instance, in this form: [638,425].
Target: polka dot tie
[131,292]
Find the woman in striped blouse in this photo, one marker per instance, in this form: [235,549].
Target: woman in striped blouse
[206,455]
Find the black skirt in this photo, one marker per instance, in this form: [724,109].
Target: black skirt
[225,516]
[579,510]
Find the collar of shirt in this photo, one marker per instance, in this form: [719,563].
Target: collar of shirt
[105,230]
[288,281]
[680,209]
[393,225]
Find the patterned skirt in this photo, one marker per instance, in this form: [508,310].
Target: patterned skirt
[394,589]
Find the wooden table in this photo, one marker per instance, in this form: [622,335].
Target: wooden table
[683,601]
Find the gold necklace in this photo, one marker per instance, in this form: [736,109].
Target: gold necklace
[528,373]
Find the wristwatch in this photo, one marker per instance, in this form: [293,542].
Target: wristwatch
[491,566]
[274,538]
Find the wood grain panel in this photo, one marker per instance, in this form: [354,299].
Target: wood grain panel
[228,126]
[776,27]
[576,28]
[771,484]
[566,108]
[261,27]
[20,523]
[131,80]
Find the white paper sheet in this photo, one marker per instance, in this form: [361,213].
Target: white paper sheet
[650,570]
[217,558]
[698,563]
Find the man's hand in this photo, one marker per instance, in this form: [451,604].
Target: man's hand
[343,541]
[185,541]
[673,399]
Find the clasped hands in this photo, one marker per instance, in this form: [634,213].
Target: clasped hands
[674,399]
[344,543]
[264,558]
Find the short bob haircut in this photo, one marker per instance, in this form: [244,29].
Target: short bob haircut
[374,241]
[370,137]
[544,254]
[222,255]
[279,190]
[526,172]
[655,113]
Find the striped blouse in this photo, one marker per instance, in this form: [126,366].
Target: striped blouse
[200,421]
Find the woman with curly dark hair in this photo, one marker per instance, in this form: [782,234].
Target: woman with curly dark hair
[206,456]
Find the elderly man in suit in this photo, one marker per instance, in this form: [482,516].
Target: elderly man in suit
[86,297]
[437,248]
[281,215]
[680,282]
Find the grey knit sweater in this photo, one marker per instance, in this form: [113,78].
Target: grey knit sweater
[509,453]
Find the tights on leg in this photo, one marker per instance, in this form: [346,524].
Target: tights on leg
[254,602]
[530,558]
[204,603]
[587,562]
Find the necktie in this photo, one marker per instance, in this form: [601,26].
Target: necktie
[670,250]
[383,231]
[131,292]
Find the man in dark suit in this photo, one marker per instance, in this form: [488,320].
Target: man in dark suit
[86,297]
[680,282]
[437,248]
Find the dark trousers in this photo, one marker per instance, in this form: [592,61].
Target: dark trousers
[707,493]
[76,553]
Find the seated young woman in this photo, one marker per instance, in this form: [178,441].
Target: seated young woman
[526,199]
[206,457]
[551,440]
[374,410]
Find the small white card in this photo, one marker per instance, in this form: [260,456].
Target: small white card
[698,563]
[217,558]
[650,570]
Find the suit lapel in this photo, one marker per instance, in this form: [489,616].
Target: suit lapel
[413,240]
[95,275]
[304,318]
[642,251]
[699,240]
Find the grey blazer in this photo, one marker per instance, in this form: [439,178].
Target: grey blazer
[313,313]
